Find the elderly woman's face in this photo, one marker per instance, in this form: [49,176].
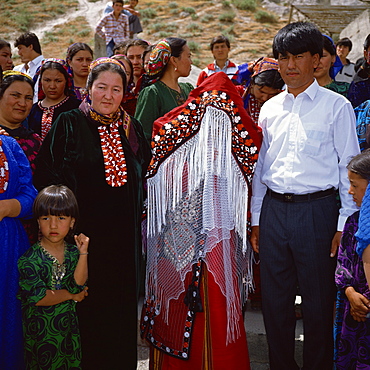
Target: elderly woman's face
[106,92]
[16,103]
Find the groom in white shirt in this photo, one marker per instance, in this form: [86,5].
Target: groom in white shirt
[308,138]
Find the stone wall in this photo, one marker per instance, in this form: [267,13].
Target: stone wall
[357,31]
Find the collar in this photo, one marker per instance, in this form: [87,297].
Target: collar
[310,91]
[36,61]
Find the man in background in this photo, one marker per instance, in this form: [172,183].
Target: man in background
[220,48]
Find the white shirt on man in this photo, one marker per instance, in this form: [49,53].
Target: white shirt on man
[308,141]
[32,66]
[31,71]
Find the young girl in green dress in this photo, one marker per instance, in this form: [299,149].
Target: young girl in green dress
[53,275]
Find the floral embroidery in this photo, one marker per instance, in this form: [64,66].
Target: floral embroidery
[174,133]
[114,156]
[47,116]
[4,170]
[150,313]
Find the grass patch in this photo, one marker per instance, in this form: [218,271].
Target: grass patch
[55,42]
[197,62]
[194,46]
[250,5]
[189,10]
[226,4]
[175,11]
[19,18]
[265,17]
[207,18]
[148,13]
[163,27]
[173,5]
[193,27]
[227,17]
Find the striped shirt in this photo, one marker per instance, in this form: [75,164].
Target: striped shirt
[118,30]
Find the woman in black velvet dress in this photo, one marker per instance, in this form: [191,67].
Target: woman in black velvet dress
[100,152]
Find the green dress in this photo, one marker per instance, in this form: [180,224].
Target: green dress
[156,100]
[338,87]
[51,333]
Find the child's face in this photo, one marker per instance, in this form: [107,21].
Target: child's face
[133,3]
[117,8]
[220,51]
[55,228]
[357,187]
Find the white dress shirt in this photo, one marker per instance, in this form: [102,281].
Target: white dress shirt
[31,71]
[32,66]
[308,141]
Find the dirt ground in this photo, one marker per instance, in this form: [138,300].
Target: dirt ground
[195,20]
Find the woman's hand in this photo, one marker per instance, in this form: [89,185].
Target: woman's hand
[9,208]
[79,297]
[360,305]
[3,132]
[82,242]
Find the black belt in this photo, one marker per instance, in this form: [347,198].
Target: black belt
[293,198]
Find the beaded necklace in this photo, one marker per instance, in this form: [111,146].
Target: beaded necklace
[58,269]
[114,156]
[4,170]
[47,116]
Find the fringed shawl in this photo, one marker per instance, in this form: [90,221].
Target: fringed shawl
[204,155]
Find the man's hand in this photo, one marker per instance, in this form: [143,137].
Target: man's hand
[335,243]
[255,238]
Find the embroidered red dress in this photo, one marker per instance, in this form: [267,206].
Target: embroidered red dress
[199,259]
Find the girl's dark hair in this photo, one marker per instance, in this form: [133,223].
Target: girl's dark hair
[59,67]
[8,80]
[329,46]
[177,45]
[124,57]
[111,67]
[270,78]
[4,44]
[297,38]
[360,164]
[55,200]
[75,48]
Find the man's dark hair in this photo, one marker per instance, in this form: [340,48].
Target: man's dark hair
[345,41]
[297,38]
[367,42]
[27,39]
[219,40]
[118,1]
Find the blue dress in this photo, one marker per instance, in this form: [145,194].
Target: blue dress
[13,243]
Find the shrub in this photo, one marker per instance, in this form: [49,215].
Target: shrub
[250,5]
[265,17]
[227,17]
[207,18]
[226,4]
[196,62]
[148,13]
[194,46]
[173,5]
[189,10]
[193,27]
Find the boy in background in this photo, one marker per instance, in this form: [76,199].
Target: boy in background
[220,48]
[116,27]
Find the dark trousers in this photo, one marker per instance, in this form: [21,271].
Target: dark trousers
[295,242]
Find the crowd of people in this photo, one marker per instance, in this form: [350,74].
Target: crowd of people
[117,182]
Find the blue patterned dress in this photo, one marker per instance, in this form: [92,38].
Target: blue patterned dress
[352,338]
[13,243]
